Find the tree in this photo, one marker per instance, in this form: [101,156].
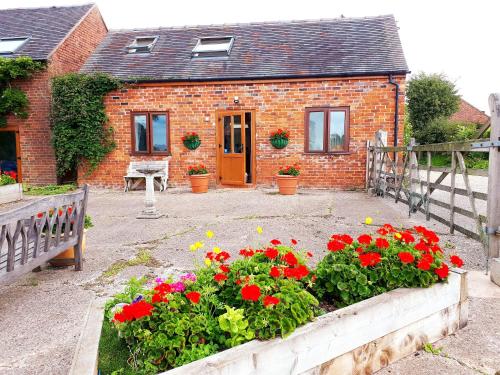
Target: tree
[430,97]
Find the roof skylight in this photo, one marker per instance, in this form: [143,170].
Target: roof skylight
[142,44]
[11,45]
[213,47]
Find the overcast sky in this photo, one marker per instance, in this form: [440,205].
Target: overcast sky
[458,38]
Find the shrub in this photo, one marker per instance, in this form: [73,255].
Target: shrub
[355,270]
[262,295]
[8,178]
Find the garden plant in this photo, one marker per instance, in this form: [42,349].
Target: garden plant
[266,292]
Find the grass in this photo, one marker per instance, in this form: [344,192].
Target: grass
[48,189]
[473,160]
[143,257]
[113,352]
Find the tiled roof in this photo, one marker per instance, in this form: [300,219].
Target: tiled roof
[336,47]
[468,113]
[45,27]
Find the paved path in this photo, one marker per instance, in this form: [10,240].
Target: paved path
[41,314]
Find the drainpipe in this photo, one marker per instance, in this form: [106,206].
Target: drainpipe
[396,111]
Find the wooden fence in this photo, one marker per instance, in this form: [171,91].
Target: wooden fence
[396,172]
[33,234]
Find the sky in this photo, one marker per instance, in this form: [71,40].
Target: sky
[456,38]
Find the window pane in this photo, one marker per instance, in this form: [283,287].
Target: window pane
[238,139]
[337,131]
[227,135]
[160,134]
[140,133]
[316,129]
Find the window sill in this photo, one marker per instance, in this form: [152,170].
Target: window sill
[150,154]
[330,153]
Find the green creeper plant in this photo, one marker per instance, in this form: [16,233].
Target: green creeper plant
[234,322]
[13,100]
[80,134]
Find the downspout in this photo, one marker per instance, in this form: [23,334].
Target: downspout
[396,112]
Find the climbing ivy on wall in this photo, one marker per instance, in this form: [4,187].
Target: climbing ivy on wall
[80,133]
[13,100]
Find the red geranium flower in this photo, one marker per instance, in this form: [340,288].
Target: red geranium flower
[436,249]
[427,258]
[276,242]
[271,253]
[290,259]
[294,242]
[247,253]
[222,256]
[389,227]
[421,246]
[346,238]
[163,288]
[365,239]
[220,277]
[270,300]
[457,261]
[134,311]
[406,257]
[193,297]
[369,259]
[210,255]
[336,245]
[359,250]
[274,272]
[407,237]
[382,231]
[442,271]
[224,268]
[158,297]
[381,243]
[250,293]
[423,265]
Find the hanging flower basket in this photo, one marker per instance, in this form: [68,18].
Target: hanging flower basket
[191,140]
[279,138]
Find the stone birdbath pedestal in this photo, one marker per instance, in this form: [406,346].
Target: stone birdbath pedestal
[150,211]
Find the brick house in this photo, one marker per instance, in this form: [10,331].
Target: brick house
[63,38]
[331,83]
[468,113]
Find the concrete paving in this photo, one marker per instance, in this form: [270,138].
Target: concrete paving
[41,315]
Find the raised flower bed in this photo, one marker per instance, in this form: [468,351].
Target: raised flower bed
[271,292]
[10,190]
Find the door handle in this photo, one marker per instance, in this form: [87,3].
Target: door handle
[220,145]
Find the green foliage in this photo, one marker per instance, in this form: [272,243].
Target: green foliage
[234,323]
[80,132]
[430,96]
[113,353]
[6,180]
[441,129]
[48,189]
[87,224]
[13,100]
[473,160]
[429,348]
[408,128]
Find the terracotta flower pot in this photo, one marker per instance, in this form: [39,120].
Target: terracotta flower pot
[287,184]
[199,183]
[67,257]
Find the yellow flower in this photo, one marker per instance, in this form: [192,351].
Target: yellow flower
[368,220]
[209,233]
[208,262]
[198,244]
[398,235]
[259,229]
[216,250]
[192,247]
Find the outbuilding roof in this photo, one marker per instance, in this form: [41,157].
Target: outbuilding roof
[316,48]
[44,28]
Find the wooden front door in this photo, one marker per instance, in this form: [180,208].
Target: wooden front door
[235,133]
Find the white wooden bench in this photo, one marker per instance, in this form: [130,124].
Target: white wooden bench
[134,178]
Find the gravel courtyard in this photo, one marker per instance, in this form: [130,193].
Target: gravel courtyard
[41,315]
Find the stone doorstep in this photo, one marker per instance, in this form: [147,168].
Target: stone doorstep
[369,335]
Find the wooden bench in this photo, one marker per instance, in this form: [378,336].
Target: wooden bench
[42,229]
[134,178]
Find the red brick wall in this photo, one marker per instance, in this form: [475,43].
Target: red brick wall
[276,105]
[38,161]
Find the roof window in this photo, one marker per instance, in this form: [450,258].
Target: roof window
[11,45]
[213,47]
[142,44]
